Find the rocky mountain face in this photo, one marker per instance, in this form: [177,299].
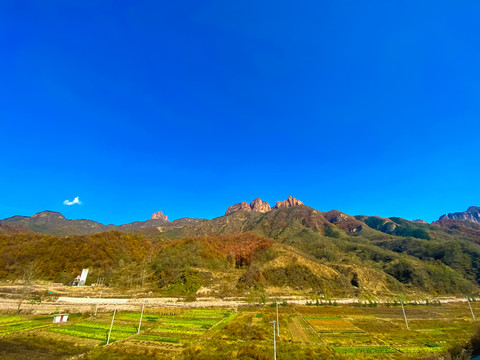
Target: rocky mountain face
[291,201]
[258,216]
[311,251]
[472,214]
[159,215]
[242,206]
[258,205]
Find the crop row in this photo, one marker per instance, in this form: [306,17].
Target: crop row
[136,316]
[419,349]
[205,313]
[91,333]
[192,322]
[365,350]
[186,326]
[178,331]
[100,325]
[24,326]
[158,338]
[11,319]
[323,317]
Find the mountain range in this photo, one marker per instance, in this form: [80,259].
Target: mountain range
[289,247]
[54,223]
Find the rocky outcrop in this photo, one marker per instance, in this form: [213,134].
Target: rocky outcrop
[472,214]
[291,201]
[420,221]
[243,206]
[258,205]
[159,215]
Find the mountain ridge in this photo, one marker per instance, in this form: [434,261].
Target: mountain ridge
[297,248]
[471,214]
[54,223]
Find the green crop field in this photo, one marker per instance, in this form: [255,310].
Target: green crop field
[16,324]
[306,332]
[95,330]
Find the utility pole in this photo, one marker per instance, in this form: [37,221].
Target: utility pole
[111,326]
[141,315]
[278,323]
[96,308]
[274,342]
[404,315]
[471,310]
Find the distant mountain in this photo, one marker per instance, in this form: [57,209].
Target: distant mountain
[472,214]
[54,223]
[291,246]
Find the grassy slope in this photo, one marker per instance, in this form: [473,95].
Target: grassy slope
[313,252]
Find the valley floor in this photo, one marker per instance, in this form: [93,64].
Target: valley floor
[336,331]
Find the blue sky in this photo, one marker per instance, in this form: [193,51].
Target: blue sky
[368,107]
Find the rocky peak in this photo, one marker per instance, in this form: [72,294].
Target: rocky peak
[159,215]
[258,205]
[242,206]
[291,201]
[472,214]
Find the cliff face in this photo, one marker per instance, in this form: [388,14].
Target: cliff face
[472,214]
[258,205]
[291,201]
[159,215]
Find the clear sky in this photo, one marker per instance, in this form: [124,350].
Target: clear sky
[368,107]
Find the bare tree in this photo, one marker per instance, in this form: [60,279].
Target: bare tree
[29,272]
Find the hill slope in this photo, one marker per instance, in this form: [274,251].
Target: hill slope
[293,249]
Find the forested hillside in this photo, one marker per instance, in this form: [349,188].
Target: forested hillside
[287,250]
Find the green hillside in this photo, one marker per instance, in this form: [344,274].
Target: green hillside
[294,250]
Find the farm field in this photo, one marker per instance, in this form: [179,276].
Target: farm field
[17,324]
[306,332]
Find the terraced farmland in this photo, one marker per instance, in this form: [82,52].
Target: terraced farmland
[307,332]
[365,332]
[95,330]
[182,327]
[16,324]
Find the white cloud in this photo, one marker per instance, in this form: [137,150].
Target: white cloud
[75,201]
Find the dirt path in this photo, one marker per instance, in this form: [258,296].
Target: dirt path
[297,331]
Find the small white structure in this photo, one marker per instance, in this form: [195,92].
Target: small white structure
[83,277]
[80,280]
[60,318]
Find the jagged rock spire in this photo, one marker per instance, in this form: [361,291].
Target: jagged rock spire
[159,215]
[258,205]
